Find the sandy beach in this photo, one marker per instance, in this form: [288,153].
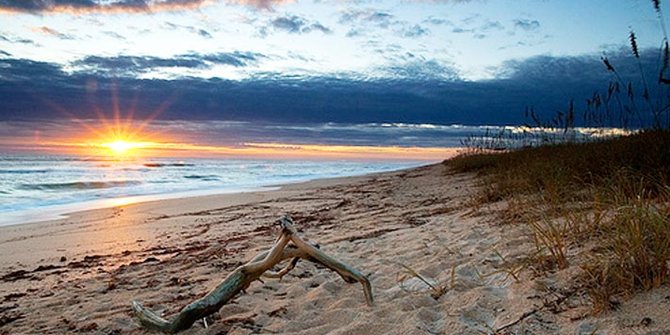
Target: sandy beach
[79,274]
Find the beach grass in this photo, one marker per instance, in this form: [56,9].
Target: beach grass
[611,195]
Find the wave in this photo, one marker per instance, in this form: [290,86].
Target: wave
[157,165]
[78,185]
[22,171]
[204,178]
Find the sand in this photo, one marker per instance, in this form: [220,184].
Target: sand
[79,274]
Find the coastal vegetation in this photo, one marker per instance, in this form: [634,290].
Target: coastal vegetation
[600,203]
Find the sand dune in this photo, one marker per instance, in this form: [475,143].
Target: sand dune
[79,274]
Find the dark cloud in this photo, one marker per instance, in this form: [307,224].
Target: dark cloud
[381,18]
[119,6]
[204,33]
[419,68]
[526,24]
[133,65]
[136,64]
[97,6]
[237,58]
[319,27]
[413,90]
[294,24]
[361,21]
[24,70]
[14,39]
[4,53]
[552,69]
[291,24]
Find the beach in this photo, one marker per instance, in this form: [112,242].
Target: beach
[437,265]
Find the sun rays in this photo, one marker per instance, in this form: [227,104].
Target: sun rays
[113,130]
[122,148]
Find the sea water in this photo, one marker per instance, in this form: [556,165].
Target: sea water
[37,188]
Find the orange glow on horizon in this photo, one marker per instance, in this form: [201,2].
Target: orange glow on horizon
[123,137]
[128,149]
[121,147]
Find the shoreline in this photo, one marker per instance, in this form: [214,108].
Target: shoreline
[70,221]
[79,275]
[63,211]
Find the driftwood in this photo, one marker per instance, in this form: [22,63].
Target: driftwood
[244,275]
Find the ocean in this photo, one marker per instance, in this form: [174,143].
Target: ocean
[38,188]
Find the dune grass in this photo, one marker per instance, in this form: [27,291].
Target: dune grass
[613,194]
[603,205]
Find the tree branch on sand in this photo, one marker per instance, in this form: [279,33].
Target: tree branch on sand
[244,275]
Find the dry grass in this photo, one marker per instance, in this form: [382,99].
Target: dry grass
[613,193]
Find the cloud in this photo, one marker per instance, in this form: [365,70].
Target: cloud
[52,32]
[133,65]
[319,27]
[97,6]
[367,16]
[478,31]
[114,35]
[460,30]
[294,24]
[361,20]
[261,4]
[412,89]
[14,39]
[415,31]
[77,7]
[353,32]
[24,70]
[438,21]
[198,31]
[491,25]
[526,24]
[291,24]
[419,68]
[204,33]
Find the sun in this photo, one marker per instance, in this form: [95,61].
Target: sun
[117,132]
[120,147]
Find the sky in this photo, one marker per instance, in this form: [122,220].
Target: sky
[362,72]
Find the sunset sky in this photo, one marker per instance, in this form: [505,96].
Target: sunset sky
[368,73]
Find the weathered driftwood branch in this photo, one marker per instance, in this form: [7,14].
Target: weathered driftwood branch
[244,275]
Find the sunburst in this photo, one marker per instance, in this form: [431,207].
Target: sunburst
[121,148]
[121,135]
